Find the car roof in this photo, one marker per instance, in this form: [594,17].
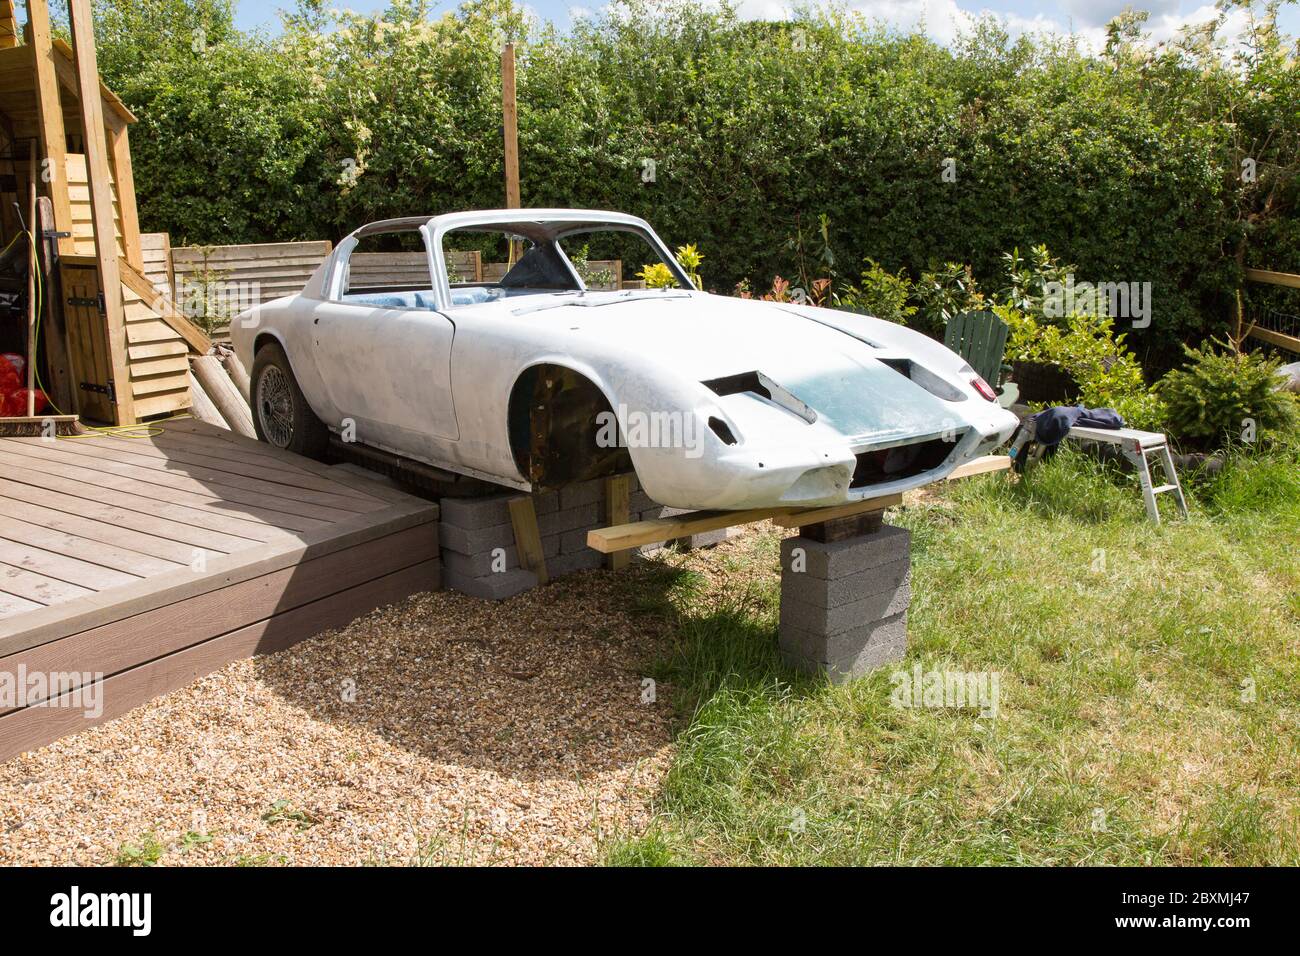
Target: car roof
[532,222]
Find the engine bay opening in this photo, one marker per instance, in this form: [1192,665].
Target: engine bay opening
[877,466]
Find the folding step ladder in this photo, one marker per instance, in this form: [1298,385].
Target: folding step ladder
[1140,448]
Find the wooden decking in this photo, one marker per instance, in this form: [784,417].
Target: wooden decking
[153,561]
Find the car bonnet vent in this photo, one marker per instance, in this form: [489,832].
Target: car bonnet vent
[759,384]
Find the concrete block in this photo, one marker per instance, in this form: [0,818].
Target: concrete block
[546,502]
[480,564]
[846,590]
[586,560]
[474,513]
[844,649]
[874,607]
[841,558]
[639,501]
[575,540]
[583,493]
[492,587]
[583,516]
[464,541]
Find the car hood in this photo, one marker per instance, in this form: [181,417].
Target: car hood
[706,337]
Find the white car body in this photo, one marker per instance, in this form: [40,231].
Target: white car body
[434,383]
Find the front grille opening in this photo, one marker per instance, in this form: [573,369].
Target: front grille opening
[875,467]
[739,384]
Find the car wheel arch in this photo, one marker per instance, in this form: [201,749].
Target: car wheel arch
[548,451]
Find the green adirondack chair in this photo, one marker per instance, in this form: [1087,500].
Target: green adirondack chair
[981,339]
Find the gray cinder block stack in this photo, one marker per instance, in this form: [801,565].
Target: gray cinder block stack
[844,603]
[478,541]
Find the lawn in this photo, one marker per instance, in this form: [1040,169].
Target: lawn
[1149,707]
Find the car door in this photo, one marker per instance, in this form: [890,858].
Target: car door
[388,369]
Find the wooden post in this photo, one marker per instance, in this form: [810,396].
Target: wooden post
[34,255]
[101,205]
[8,25]
[50,119]
[510,118]
[528,539]
[510,128]
[618,495]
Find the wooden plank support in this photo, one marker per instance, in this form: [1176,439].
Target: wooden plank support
[638,533]
[528,537]
[980,466]
[618,508]
[137,282]
[101,202]
[54,138]
[119,145]
[224,394]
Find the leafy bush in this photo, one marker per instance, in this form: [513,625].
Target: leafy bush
[881,293]
[347,118]
[1108,374]
[1221,395]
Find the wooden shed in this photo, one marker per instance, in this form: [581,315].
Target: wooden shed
[117,358]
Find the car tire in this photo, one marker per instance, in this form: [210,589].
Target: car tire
[281,416]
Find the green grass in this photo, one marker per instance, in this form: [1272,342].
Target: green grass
[1149,678]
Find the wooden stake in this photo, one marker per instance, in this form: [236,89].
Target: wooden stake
[618,495]
[528,538]
[510,121]
[101,205]
[35,252]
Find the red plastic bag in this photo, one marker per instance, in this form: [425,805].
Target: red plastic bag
[17,361]
[19,402]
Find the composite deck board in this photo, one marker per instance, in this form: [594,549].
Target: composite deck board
[266,468]
[171,539]
[208,502]
[85,528]
[62,568]
[205,476]
[23,583]
[269,498]
[98,573]
[85,549]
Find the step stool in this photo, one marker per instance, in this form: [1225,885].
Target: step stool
[1140,448]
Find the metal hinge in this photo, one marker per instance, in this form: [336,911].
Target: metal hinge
[100,390]
[86,302]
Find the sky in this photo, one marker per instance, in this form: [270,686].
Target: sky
[941,18]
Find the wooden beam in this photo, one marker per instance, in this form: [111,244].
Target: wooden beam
[119,144]
[802,517]
[49,111]
[35,250]
[8,25]
[101,204]
[1273,278]
[528,538]
[1281,340]
[980,466]
[638,533]
[510,125]
[618,508]
[65,69]
[137,282]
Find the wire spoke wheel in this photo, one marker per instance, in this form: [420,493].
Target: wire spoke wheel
[275,406]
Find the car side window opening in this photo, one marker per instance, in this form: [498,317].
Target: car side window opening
[388,270]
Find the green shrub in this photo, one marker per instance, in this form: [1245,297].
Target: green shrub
[1108,374]
[1221,396]
[881,293]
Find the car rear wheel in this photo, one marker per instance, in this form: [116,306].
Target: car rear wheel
[281,415]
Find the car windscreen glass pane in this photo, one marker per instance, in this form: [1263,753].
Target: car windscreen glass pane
[611,259]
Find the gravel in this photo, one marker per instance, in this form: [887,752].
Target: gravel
[442,730]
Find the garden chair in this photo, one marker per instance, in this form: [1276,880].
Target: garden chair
[981,338]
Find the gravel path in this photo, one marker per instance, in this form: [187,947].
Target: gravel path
[441,730]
